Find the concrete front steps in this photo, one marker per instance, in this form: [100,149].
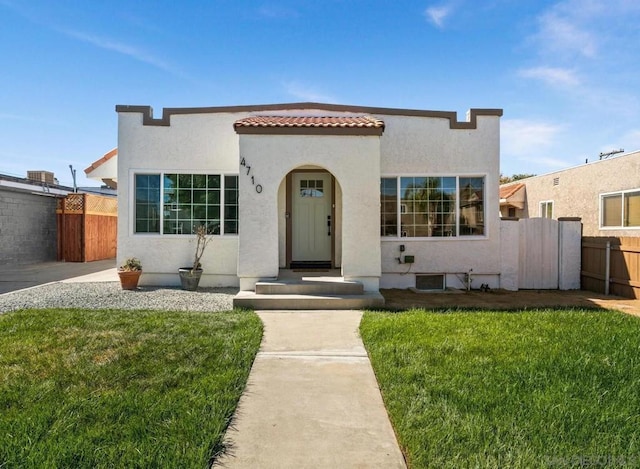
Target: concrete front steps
[315,293]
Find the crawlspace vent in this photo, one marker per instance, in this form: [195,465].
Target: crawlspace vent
[430,282]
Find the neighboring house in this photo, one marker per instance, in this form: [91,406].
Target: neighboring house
[28,228]
[105,169]
[30,223]
[605,194]
[512,199]
[359,189]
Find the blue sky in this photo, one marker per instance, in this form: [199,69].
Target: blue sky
[566,73]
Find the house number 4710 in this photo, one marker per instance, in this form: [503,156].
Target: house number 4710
[244,164]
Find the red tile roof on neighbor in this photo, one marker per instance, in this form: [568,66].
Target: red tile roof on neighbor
[101,161]
[311,121]
[508,191]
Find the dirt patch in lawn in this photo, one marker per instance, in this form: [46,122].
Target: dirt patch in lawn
[397,299]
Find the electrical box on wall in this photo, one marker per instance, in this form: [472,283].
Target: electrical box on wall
[409,259]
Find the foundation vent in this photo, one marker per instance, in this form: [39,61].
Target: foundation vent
[430,282]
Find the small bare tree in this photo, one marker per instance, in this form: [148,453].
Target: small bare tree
[203,238]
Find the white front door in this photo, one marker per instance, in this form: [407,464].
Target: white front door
[312,224]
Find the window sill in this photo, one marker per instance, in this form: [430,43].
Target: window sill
[433,238]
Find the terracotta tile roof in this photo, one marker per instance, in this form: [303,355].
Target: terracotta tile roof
[107,156]
[311,121]
[508,191]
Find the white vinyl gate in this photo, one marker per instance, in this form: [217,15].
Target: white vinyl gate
[539,253]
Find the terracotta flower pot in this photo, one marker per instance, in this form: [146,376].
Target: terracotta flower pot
[129,279]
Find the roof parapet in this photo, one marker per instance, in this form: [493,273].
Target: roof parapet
[165,120]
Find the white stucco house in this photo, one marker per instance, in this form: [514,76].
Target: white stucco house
[389,198]
[604,193]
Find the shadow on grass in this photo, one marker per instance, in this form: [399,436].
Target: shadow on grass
[397,300]
[474,309]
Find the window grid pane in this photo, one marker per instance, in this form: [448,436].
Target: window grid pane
[311,188]
[147,206]
[612,210]
[231,212]
[632,209]
[471,206]
[546,209]
[188,201]
[388,207]
[431,206]
[428,206]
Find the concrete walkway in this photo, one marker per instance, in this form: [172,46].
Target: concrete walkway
[312,400]
[17,277]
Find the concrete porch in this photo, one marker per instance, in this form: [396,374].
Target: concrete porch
[308,290]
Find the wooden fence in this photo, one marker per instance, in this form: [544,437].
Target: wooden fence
[611,266]
[87,227]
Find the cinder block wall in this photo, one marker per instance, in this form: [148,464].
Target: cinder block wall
[28,231]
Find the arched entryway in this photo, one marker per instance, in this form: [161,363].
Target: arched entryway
[338,146]
[310,237]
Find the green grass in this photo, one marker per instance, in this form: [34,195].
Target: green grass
[553,388]
[120,388]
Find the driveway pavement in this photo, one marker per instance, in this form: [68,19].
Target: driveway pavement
[312,400]
[16,277]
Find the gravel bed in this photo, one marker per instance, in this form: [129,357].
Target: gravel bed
[109,295]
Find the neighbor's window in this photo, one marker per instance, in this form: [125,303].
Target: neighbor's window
[431,206]
[546,209]
[188,200]
[621,210]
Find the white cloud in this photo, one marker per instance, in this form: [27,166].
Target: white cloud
[530,140]
[307,93]
[584,28]
[121,48]
[38,17]
[551,75]
[438,14]
[563,31]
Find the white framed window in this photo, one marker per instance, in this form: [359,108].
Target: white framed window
[177,203]
[546,209]
[432,206]
[620,209]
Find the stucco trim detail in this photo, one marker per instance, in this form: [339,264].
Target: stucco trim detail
[165,120]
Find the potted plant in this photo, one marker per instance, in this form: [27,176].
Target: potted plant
[190,276]
[129,273]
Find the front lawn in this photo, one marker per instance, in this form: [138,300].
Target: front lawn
[101,389]
[552,388]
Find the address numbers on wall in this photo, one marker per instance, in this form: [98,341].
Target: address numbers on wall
[244,164]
